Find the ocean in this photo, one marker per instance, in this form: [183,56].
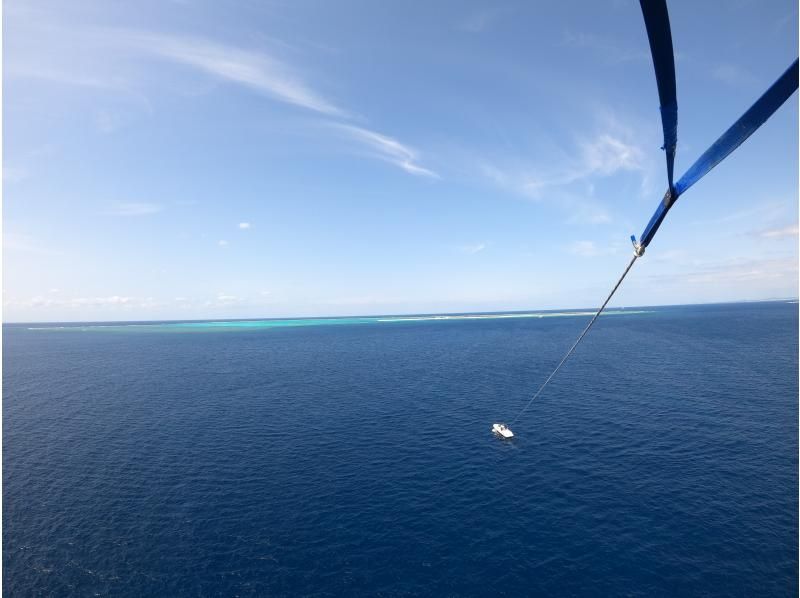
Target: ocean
[353,457]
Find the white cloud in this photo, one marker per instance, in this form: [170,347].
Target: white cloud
[735,76]
[749,271]
[107,123]
[779,233]
[607,154]
[110,302]
[587,212]
[121,208]
[584,248]
[91,57]
[244,225]
[478,21]
[386,148]
[590,249]
[223,299]
[256,70]
[747,275]
[101,301]
[600,156]
[14,175]
[764,212]
[62,77]
[222,243]
[607,49]
[23,243]
[472,249]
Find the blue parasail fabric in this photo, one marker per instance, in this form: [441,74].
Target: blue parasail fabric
[659,34]
[747,124]
[656,20]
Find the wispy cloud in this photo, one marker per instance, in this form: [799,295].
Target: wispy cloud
[586,211]
[745,271]
[222,243]
[244,225]
[584,249]
[779,233]
[472,249]
[602,155]
[92,56]
[107,123]
[764,211]
[569,179]
[122,208]
[591,249]
[736,271]
[607,154]
[386,148]
[606,49]
[23,243]
[733,75]
[478,21]
[270,76]
[62,77]
[255,70]
[14,175]
[101,302]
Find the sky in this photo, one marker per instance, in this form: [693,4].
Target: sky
[197,159]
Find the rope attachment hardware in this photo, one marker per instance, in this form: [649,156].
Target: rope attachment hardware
[638,248]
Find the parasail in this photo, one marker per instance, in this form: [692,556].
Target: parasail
[656,20]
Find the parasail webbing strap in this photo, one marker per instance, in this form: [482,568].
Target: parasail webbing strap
[659,34]
[739,131]
[575,344]
[748,123]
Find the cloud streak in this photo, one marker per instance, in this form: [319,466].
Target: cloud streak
[603,155]
[90,57]
[734,76]
[275,79]
[606,49]
[122,208]
[103,302]
[472,249]
[779,233]
[387,149]
[258,71]
[570,181]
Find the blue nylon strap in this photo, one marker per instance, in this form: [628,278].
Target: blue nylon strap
[655,221]
[656,21]
[749,122]
[756,116]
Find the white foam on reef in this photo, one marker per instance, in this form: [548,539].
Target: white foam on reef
[240,324]
[560,314]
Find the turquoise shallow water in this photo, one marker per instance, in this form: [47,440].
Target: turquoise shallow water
[357,460]
[206,325]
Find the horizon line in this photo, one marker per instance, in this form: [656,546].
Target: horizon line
[452,313]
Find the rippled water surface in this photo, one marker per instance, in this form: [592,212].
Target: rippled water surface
[356,459]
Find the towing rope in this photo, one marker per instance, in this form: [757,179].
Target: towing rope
[636,255]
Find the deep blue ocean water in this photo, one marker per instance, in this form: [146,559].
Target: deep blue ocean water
[357,459]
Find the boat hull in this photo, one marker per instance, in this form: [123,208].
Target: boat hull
[502,431]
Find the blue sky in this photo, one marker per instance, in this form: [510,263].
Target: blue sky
[195,159]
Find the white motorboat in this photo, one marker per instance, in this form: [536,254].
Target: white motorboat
[502,430]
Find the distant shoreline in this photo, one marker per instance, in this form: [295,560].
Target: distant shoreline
[385,318]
